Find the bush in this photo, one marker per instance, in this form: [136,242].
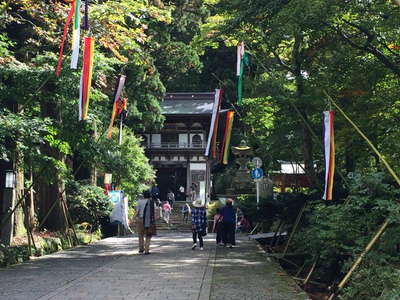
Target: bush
[87,203]
[376,278]
[338,233]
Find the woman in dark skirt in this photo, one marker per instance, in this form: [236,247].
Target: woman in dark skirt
[228,223]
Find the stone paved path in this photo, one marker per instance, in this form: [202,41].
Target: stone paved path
[246,273]
[112,269]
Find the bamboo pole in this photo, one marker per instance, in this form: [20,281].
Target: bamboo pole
[360,258]
[386,223]
[311,271]
[388,167]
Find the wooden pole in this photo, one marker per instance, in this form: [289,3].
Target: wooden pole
[276,233]
[294,228]
[71,223]
[28,227]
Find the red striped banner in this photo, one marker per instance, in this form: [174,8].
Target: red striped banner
[64,36]
[329,147]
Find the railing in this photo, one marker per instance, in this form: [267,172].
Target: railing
[177,145]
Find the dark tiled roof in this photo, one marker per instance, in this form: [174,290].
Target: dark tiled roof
[188,103]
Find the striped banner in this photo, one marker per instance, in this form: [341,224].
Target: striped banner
[215,131]
[239,71]
[64,36]
[86,77]
[329,148]
[117,104]
[76,35]
[217,103]
[227,137]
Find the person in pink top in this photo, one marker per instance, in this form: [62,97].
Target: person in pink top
[167,211]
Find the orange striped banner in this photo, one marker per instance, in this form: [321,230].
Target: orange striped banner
[86,78]
[227,138]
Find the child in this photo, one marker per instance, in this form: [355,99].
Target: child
[186,212]
[167,211]
[217,226]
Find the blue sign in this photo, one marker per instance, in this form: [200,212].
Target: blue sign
[115,196]
[257,173]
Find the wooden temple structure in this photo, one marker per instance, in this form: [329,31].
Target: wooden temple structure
[178,150]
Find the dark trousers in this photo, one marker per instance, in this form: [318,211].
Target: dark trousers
[186,216]
[228,233]
[195,235]
[218,230]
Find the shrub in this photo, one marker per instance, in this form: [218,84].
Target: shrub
[338,233]
[87,203]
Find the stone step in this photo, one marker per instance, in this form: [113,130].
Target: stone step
[176,220]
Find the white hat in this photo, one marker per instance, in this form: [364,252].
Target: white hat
[198,203]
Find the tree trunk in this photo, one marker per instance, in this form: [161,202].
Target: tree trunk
[19,224]
[308,156]
[52,186]
[51,194]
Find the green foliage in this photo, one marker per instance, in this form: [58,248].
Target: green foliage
[338,233]
[87,203]
[10,255]
[129,164]
[378,277]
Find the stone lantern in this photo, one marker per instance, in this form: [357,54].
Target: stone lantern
[242,182]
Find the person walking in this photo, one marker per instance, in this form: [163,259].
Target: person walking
[228,224]
[185,212]
[155,191]
[182,193]
[193,189]
[199,223]
[171,198]
[239,216]
[145,222]
[217,226]
[167,211]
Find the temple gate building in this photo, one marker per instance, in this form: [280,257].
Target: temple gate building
[177,151]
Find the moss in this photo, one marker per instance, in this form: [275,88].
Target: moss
[10,255]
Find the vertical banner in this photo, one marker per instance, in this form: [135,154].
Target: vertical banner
[213,117]
[215,131]
[76,35]
[227,137]
[329,149]
[116,106]
[86,77]
[64,36]
[239,71]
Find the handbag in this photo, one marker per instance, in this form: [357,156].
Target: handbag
[203,231]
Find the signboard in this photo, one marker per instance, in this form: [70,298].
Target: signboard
[115,196]
[257,173]
[120,211]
